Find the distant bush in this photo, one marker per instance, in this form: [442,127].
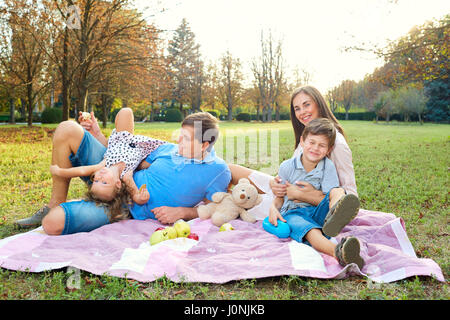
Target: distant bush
[243,116]
[368,116]
[173,115]
[215,113]
[51,115]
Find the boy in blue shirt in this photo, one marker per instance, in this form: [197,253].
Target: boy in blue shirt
[315,224]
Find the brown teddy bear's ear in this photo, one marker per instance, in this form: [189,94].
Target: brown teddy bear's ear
[244,180]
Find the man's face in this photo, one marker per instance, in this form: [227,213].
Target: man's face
[189,144]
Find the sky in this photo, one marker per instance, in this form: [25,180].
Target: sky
[314,32]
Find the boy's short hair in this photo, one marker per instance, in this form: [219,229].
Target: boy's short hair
[209,126]
[322,127]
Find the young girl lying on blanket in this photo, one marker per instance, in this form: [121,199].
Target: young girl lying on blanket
[315,224]
[113,177]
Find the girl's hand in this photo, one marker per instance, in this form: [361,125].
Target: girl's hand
[142,196]
[278,189]
[275,215]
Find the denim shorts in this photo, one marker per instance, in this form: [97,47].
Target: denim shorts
[90,152]
[84,216]
[300,221]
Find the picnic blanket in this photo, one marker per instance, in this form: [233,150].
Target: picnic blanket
[122,249]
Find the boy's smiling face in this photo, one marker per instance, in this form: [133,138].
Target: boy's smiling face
[315,147]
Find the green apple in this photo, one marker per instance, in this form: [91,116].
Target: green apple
[159,236]
[226,227]
[172,232]
[183,228]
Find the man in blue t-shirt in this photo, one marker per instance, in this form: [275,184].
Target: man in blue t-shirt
[179,176]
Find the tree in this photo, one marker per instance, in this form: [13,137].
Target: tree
[184,62]
[384,104]
[230,82]
[438,102]
[421,55]
[21,56]
[104,28]
[411,100]
[197,81]
[332,97]
[345,95]
[268,71]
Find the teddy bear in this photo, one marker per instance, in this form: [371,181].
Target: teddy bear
[229,206]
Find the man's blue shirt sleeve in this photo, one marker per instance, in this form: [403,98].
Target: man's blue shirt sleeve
[219,184]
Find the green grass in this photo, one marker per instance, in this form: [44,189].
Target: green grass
[400,168]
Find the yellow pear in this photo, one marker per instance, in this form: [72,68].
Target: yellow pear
[183,228]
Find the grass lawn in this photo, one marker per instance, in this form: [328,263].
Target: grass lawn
[400,168]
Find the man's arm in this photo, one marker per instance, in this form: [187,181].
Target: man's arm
[169,215]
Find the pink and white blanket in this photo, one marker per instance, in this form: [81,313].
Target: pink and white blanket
[122,249]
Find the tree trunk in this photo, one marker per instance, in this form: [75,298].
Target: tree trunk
[277,112]
[65,82]
[30,102]
[12,118]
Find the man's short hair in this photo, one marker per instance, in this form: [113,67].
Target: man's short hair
[323,127]
[208,124]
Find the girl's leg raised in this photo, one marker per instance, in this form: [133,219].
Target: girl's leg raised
[125,120]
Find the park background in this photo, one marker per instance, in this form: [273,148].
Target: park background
[60,57]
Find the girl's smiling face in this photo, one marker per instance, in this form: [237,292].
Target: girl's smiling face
[306,109]
[105,183]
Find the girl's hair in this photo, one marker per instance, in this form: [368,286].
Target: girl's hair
[118,207]
[324,111]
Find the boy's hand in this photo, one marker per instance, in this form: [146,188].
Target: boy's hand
[275,215]
[278,189]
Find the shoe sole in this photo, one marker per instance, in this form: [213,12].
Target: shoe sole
[351,252]
[345,211]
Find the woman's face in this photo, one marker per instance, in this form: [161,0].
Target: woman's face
[306,109]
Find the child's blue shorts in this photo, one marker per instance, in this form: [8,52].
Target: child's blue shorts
[300,221]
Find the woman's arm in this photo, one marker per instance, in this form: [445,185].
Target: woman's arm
[304,192]
[342,159]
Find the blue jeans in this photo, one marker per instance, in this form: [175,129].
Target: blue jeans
[300,221]
[84,216]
